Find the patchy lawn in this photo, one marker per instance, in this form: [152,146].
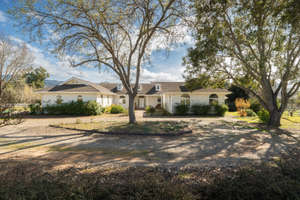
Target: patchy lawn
[287,122]
[146,127]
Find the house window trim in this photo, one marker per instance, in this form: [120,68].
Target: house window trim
[213,98]
[185,99]
[157,87]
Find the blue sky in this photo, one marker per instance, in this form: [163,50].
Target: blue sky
[165,66]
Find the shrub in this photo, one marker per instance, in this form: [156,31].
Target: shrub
[250,113]
[255,105]
[35,109]
[242,105]
[221,109]
[74,108]
[182,109]
[93,108]
[150,109]
[264,116]
[114,109]
[198,109]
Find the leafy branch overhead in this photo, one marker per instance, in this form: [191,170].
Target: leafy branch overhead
[257,41]
[113,33]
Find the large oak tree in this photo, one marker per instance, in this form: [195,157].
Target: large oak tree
[116,34]
[254,40]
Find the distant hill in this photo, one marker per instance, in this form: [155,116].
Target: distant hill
[51,83]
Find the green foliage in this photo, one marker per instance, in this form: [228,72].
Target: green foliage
[250,113]
[236,93]
[182,109]
[221,110]
[74,108]
[150,109]
[198,109]
[36,78]
[264,116]
[114,109]
[205,81]
[35,109]
[255,105]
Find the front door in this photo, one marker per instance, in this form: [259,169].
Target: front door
[141,102]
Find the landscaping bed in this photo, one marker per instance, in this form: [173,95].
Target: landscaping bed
[161,128]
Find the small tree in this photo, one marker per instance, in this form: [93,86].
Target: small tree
[15,60]
[36,77]
[242,105]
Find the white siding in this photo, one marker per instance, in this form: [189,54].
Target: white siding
[48,99]
[152,101]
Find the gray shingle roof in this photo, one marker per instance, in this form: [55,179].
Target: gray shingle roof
[149,88]
[79,86]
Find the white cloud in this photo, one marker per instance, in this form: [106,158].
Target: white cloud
[2,17]
[60,70]
[172,75]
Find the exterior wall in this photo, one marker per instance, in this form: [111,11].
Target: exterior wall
[152,101]
[168,101]
[171,100]
[105,100]
[50,99]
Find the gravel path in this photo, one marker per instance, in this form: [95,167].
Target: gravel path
[214,142]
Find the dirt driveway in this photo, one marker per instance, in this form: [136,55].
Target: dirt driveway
[214,142]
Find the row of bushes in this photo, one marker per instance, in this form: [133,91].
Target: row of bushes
[75,108]
[157,111]
[202,110]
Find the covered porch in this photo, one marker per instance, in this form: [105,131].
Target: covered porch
[142,101]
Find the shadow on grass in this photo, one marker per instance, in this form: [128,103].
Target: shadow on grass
[27,180]
[217,143]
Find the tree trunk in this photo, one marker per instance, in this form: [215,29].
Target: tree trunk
[132,119]
[275,117]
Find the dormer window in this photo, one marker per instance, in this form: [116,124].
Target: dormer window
[157,87]
[120,87]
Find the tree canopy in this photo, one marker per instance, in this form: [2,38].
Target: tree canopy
[36,77]
[255,43]
[116,34]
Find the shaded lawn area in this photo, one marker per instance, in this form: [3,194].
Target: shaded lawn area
[287,122]
[147,127]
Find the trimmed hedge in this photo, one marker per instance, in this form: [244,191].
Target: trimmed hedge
[221,110]
[264,116]
[74,108]
[198,109]
[250,113]
[182,109]
[150,109]
[114,109]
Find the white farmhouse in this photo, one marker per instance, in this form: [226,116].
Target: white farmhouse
[156,94]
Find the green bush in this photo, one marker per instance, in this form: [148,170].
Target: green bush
[114,109]
[35,109]
[250,113]
[198,109]
[182,109]
[255,105]
[264,116]
[150,109]
[74,108]
[221,110]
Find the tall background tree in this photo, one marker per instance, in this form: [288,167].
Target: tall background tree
[116,34]
[15,60]
[256,39]
[36,77]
